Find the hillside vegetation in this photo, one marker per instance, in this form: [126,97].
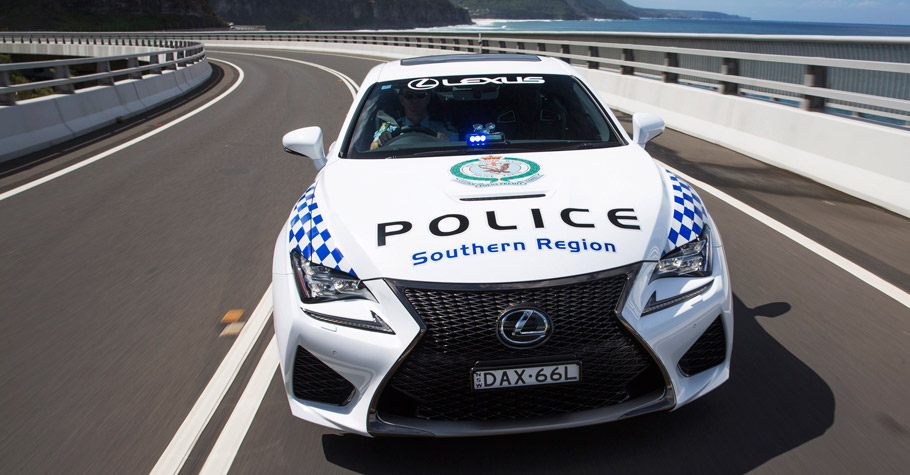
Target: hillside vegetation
[107,15]
[134,15]
[341,14]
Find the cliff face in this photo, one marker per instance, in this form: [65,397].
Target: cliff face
[341,14]
[108,15]
[196,8]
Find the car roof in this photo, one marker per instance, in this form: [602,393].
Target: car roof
[467,64]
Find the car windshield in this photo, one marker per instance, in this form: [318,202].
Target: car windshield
[469,114]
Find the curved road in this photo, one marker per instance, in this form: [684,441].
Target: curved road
[116,277]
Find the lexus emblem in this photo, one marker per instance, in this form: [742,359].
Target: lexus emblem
[423,84]
[523,327]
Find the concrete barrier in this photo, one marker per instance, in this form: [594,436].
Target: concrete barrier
[69,49]
[129,96]
[157,89]
[84,115]
[34,124]
[380,51]
[869,161]
[37,125]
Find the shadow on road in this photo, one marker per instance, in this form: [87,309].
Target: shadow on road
[771,404]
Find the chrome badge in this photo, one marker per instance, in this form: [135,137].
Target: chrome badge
[523,327]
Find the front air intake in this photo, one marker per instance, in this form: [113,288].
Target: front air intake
[707,352]
[433,382]
[315,381]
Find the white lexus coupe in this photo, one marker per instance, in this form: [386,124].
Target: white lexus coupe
[486,251]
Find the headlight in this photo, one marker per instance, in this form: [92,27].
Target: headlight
[318,283]
[692,259]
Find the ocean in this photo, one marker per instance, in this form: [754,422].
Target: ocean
[744,27]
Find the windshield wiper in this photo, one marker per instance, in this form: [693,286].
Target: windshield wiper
[428,153]
[462,151]
[583,146]
[502,148]
[509,149]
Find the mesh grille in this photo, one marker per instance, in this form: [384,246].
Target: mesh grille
[707,352]
[315,381]
[434,381]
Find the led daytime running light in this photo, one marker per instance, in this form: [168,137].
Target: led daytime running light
[655,305]
[376,325]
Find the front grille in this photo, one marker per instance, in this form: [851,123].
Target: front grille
[315,381]
[707,352]
[434,380]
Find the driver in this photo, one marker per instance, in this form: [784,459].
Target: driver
[415,105]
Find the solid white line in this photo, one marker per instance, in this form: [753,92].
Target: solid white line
[352,86]
[173,458]
[857,271]
[222,455]
[107,153]
[285,50]
[234,431]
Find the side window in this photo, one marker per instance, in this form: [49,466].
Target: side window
[366,123]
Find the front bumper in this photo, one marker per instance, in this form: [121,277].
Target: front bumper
[368,360]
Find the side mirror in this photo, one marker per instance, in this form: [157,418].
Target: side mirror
[307,142]
[645,127]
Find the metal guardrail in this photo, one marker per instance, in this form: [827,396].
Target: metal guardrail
[178,53]
[866,77]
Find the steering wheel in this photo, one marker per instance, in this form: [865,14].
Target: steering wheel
[401,134]
[413,128]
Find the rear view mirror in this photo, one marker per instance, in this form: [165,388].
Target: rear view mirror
[307,142]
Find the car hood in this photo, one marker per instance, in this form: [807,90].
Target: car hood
[486,218]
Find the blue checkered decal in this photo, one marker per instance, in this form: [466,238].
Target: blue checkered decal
[310,235]
[689,214]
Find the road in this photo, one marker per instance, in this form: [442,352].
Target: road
[116,277]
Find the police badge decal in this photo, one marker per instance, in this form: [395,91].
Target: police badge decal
[491,171]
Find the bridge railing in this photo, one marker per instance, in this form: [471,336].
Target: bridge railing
[158,55]
[863,77]
[103,80]
[778,99]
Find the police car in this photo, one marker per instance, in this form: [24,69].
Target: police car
[485,251]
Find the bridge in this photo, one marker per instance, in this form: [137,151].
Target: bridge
[128,250]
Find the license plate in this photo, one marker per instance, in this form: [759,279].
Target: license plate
[494,378]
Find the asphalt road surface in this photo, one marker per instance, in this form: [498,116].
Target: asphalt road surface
[116,276]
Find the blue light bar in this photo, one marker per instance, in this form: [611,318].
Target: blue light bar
[477,139]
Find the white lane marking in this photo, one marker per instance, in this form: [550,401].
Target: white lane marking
[222,455]
[184,440]
[107,153]
[234,431]
[176,453]
[352,86]
[857,271]
[294,50]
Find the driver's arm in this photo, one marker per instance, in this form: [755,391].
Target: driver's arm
[382,135]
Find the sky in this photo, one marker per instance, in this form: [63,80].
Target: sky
[884,12]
